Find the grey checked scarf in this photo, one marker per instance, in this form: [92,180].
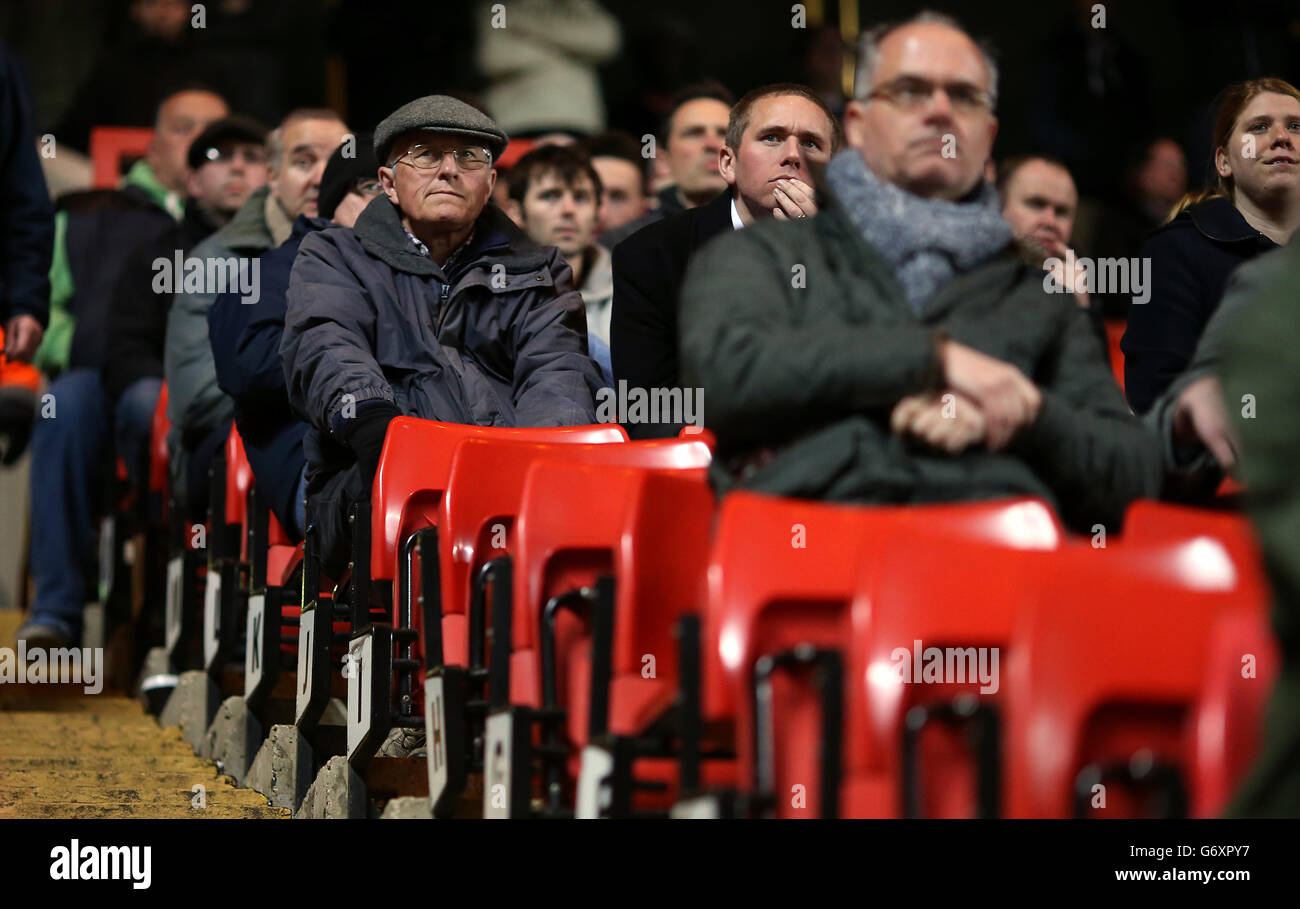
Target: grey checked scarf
[926,242]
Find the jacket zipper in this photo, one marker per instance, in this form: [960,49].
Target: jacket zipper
[442,307]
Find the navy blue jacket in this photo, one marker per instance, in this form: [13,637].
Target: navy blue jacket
[1191,258]
[26,216]
[245,342]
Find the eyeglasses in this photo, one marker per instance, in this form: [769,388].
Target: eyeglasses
[367,186]
[253,154]
[467,157]
[913,93]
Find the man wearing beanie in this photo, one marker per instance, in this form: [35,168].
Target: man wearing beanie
[435,306]
[246,338]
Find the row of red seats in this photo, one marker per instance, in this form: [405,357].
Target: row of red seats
[596,635]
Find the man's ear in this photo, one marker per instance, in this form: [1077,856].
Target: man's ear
[387,179]
[192,184]
[727,165]
[854,121]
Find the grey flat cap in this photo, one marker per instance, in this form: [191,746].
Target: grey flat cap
[444,114]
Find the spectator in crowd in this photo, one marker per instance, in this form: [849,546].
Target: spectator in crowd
[555,194]
[199,413]
[95,233]
[26,220]
[1254,208]
[122,89]
[624,190]
[227,163]
[1262,360]
[913,299]
[1040,202]
[689,141]
[358,347]
[774,134]
[1154,180]
[96,229]
[1199,442]
[246,340]
[540,58]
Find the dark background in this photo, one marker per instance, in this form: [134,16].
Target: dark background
[1166,59]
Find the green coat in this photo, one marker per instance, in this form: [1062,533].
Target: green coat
[802,340]
[1263,360]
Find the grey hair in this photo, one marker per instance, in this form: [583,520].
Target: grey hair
[869,52]
[275,138]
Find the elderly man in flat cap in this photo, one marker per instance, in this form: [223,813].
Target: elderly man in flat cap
[434,305]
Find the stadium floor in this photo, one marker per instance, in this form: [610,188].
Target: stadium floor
[66,754]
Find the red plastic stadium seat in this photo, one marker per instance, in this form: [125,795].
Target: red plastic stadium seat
[239,480]
[160,426]
[413,469]
[1115,334]
[1242,667]
[950,577]
[866,581]
[781,581]
[109,145]
[647,530]
[1105,669]
[484,489]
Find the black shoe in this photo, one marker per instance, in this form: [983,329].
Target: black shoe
[43,634]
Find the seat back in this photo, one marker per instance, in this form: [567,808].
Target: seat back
[159,427]
[413,470]
[1105,667]
[1228,727]
[1114,335]
[109,145]
[936,606]
[239,480]
[648,529]
[485,487]
[781,576]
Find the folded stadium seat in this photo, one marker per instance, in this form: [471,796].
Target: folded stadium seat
[1228,726]
[1105,668]
[1149,521]
[775,647]
[605,560]
[1115,334]
[409,483]
[187,555]
[472,537]
[274,602]
[936,605]
[231,478]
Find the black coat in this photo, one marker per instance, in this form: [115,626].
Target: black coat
[649,268]
[1191,258]
[26,216]
[137,316]
[246,350]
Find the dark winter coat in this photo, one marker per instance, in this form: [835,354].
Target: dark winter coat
[497,338]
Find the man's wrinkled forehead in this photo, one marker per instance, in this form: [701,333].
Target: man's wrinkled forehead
[931,51]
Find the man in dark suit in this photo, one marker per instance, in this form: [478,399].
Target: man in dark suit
[774,133]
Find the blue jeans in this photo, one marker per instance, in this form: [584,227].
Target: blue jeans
[132,423]
[70,447]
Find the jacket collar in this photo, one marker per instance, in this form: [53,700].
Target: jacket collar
[383,236]
[1218,219]
[248,229]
